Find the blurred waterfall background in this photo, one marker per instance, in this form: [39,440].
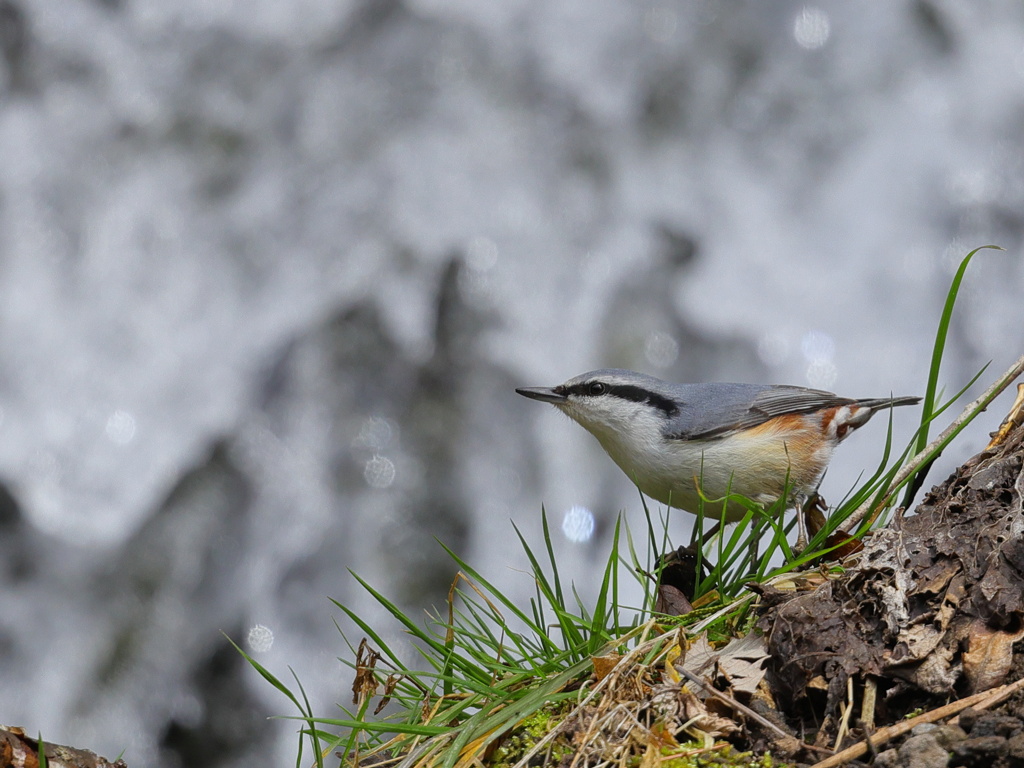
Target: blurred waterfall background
[270,271]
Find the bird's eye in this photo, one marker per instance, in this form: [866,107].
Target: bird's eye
[597,388]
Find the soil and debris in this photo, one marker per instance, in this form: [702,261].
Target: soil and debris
[19,750]
[928,612]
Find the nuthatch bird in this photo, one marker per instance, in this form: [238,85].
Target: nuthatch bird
[755,440]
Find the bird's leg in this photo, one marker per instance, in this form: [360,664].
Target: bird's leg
[811,509]
[801,521]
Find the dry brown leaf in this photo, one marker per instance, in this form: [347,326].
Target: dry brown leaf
[802,582]
[938,672]
[698,655]
[919,641]
[988,656]
[661,737]
[603,665]
[695,717]
[741,662]
[818,683]
[365,683]
[672,601]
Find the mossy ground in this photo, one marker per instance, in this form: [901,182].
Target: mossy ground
[561,750]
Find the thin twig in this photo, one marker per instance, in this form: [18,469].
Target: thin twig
[867,704]
[996,696]
[979,700]
[915,463]
[731,702]
[844,724]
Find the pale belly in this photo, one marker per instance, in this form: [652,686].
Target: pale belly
[762,466]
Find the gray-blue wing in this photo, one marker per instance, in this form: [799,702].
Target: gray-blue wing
[716,410]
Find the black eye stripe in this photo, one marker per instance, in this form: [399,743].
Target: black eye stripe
[641,395]
[626,392]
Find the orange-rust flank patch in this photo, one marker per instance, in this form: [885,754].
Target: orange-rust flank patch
[826,419]
[798,432]
[800,441]
[786,425]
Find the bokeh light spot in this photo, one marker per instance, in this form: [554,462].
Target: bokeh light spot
[660,349]
[120,427]
[578,524]
[375,434]
[379,472]
[822,374]
[817,346]
[260,639]
[819,349]
[811,28]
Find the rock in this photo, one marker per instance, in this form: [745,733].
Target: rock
[979,752]
[948,735]
[1015,751]
[968,717]
[989,724]
[922,751]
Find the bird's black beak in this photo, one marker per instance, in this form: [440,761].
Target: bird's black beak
[544,394]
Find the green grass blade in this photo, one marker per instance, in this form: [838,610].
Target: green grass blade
[928,405]
[559,597]
[381,726]
[267,675]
